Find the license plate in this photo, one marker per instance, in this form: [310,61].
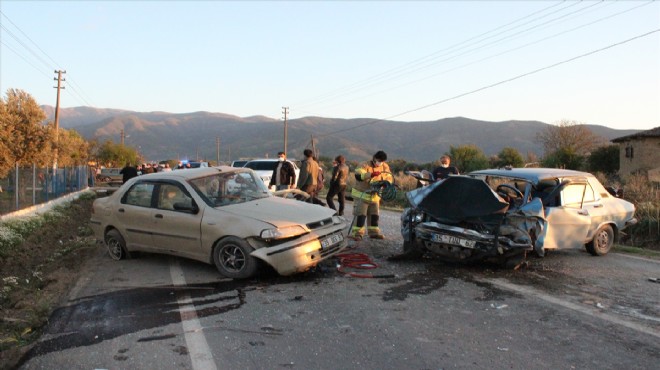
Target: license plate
[450,239]
[331,240]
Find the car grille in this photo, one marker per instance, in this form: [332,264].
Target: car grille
[319,224]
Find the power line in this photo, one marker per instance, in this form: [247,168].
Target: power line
[427,64]
[495,84]
[492,56]
[74,88]
[403,67]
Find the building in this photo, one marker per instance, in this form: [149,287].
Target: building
[640,153]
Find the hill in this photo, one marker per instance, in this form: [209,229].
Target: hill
[162,135]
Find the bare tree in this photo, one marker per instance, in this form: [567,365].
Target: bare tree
[570,136]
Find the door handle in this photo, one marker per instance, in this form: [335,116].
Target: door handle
[598,205]
[120,210]
[583,212]
[158,215]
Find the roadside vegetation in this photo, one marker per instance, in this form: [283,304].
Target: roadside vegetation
[39,259]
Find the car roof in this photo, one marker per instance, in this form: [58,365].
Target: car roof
[533,175]
[191,173]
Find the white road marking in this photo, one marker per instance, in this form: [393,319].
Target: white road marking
[527,291]
[637,258]
[198,347]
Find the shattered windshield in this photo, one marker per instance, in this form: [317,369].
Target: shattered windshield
[229,188]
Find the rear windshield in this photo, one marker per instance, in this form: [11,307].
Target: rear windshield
[262,166]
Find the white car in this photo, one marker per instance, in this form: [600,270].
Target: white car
[501,214]
[219,215]
[264,168]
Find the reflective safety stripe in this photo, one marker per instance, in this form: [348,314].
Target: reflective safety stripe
[370,197]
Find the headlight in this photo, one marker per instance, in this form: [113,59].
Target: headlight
[284,232]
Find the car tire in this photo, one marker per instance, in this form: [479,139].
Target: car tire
[116,245]
[232,258]
[602,242]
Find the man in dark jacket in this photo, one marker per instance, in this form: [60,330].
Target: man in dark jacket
[338,184]
[284,176]
[444,170]
[128,172]
[309,172]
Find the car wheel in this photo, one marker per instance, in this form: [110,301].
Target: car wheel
[232,258]
[116,245]
[602,241]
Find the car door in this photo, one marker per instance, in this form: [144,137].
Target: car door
[568,222]
[177,221]
[134,216]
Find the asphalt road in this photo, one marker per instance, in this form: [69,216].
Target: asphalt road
[567,310]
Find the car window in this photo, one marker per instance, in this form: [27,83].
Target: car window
[229,188]
[139,195]
[169,194]
[572,195]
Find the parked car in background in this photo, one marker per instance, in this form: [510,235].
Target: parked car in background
[218,215]
[264,168]
[109,175]
[239,163]
[193,164]
[502,214]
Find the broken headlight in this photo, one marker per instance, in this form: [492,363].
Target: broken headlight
[284,232]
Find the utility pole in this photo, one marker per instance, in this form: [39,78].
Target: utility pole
[59,87]
[217,150]
[122,136]
[285,111]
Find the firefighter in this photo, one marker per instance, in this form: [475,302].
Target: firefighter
[365,195]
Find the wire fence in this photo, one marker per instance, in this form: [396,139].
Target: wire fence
[29,186]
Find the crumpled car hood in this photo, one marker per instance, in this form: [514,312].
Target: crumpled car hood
[458,198]
[279,211]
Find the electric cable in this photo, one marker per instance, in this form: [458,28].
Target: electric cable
[371,122]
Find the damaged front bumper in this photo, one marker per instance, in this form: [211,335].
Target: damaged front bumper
[435,235]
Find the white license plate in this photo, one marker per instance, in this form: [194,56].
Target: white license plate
[450,239]
[331,240]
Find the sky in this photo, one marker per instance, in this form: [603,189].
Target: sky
[592,62]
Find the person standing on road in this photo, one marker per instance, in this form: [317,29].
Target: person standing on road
[284,175]
[365,195]
[444,170]
[309,172]
[128,172]
[338,184]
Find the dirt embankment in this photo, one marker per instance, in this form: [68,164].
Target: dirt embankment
[38,273]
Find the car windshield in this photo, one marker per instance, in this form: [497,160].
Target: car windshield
[224,189]
[262,165]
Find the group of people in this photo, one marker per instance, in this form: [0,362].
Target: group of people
[129,171]
[369,176]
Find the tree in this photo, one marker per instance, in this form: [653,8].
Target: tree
[23,136]
[569,137]
[605,159]
[73,150]
[510,157]
[564,158]
[468,158]
[116,155]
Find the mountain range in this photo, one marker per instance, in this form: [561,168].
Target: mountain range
[162,135]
